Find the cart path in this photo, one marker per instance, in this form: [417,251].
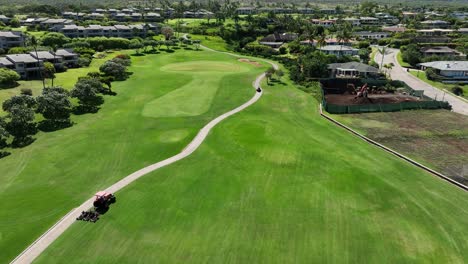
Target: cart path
[38,246]
[459,105]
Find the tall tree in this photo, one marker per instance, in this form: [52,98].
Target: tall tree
[21,125]
[87,90]
[55,106]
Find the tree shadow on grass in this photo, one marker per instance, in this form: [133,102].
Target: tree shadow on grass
[82,109]
[9,85]
[137,54]
[53,125]
[4,154]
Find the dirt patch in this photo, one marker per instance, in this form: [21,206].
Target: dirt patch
[436,138]
[254,63]
[349,99]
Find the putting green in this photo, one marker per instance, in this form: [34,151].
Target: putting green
[196,97]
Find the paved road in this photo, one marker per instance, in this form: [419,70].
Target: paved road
[399,73]
[37,247]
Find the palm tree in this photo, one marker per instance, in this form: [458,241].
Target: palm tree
[321,40]
[382,51]
[344,35]
[38,64]
[54,50]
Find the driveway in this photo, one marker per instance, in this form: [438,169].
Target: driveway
[399,73]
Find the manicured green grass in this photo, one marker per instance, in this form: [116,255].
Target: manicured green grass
[65,79]
[213,42]
[448,87]
[42,182]
[401,62]
[278,184]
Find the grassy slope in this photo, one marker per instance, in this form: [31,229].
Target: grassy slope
[40,183]
[401,62]
[65,79]
[278,184]
[440,85]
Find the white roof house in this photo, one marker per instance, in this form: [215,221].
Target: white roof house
[455,70]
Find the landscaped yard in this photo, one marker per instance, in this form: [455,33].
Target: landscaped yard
[42,182]
[276,184]
[422,76]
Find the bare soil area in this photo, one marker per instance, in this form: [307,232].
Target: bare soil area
[349,99]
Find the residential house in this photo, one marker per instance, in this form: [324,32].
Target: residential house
[74,15]
[369,21]
[10,39]
[435,24]
[323,22]
[355,22]
[440,51]
[451,71]
[246,11]
[96,16]
[94,31]
[371,35]
[328,11]
[120,17]
[136,16]
[69,58]
[409,15]
[434,32]
[352,70]
[463,31]
[4,19]
[328,42]
[6,63]
[153,17]
[46,56]
[26,65]
[124,31]
[54,22]
[385,18]
[339,50]
[276,40]
[394,29]
[460,15]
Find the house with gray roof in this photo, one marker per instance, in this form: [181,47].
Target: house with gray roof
[26,65]
[440,51]
[10,39]
[352,70]
[339,50]
[449,70]
[69,58]
[46,56]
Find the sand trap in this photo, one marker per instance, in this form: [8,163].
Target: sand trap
[254,63]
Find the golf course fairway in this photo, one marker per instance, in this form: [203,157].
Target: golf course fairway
[40,183]
[275,183]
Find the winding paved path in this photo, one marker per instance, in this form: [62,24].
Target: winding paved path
[459,105]
[38,246]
